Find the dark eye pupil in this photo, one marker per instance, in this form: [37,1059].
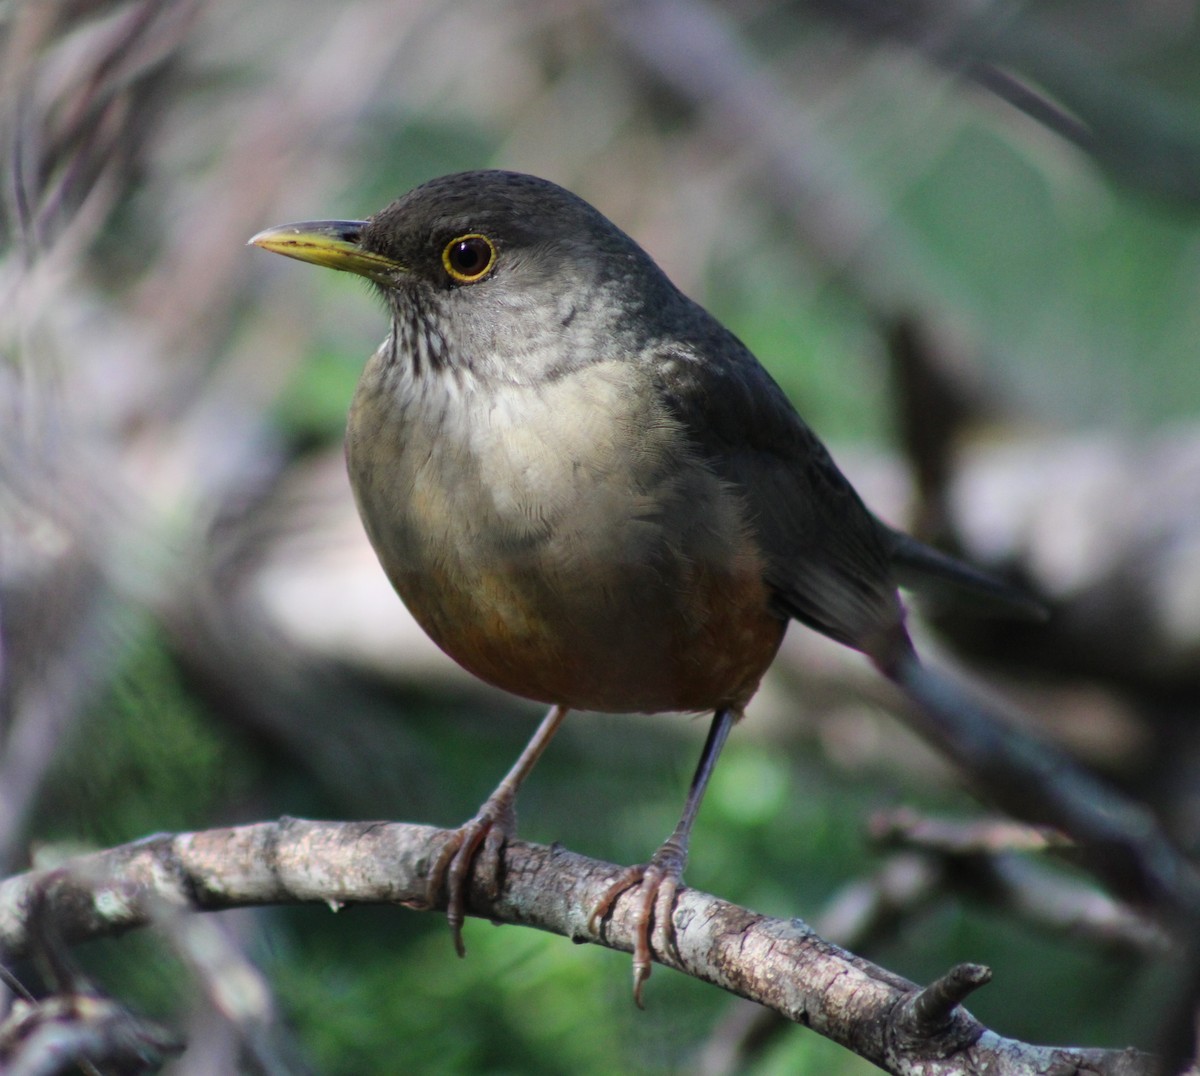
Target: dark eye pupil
[469,256]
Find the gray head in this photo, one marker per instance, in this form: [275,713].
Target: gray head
[506,275]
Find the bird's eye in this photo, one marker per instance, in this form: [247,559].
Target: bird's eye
[469,258]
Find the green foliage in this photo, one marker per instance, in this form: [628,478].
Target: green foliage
[145,758]
[1079,290]
[312,407]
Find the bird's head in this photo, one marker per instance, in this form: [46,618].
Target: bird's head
[505,273]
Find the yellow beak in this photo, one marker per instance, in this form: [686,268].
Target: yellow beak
[331,243]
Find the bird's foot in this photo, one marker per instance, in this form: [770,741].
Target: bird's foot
[495,823]
[657,883]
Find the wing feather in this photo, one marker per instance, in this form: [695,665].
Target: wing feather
[827,556]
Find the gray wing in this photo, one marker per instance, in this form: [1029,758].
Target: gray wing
[828,558]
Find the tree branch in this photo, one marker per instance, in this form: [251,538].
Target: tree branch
[781,964]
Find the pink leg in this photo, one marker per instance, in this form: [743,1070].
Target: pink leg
[496,821]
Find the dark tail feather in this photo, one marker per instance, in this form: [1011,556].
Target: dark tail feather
[1035,781]
[920,567]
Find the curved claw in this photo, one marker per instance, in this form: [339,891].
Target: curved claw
[658,882]
[494,823]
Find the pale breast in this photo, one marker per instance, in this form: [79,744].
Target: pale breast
[561,541]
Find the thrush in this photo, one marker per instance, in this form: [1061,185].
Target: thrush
[589,493]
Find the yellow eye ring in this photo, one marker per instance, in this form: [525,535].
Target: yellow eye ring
[469,258]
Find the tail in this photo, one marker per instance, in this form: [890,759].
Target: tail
[920,567]
[1035,781]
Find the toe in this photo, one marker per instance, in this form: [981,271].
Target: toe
[626,880]
[657,884]
[451,871]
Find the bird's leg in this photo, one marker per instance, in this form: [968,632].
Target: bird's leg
[658,880]
[494,823]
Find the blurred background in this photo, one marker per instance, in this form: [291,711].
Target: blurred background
[964,237]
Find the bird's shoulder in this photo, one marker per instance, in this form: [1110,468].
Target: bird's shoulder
[735,412]
[826,555]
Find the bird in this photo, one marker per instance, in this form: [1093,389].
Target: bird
[590,493]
